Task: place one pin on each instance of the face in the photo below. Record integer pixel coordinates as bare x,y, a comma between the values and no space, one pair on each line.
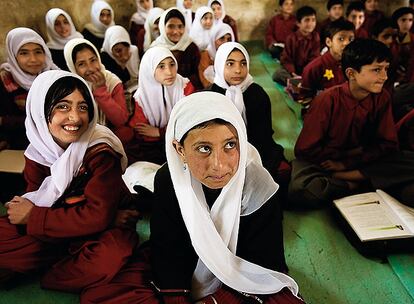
387,36
371,5
105,17
146,4
212,154
166,72
221,40
287,7
86,64
405,22
31,58
370,79
174,29
121,52
336,11
62,26
307,24
207,21
357,18
69,119
188,4
217,10
235,70
338,42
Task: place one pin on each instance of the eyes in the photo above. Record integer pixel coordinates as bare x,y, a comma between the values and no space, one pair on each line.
206,149
81,64
231,63
163,66
26,52
64,106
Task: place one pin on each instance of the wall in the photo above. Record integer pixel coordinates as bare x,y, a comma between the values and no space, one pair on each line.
251,15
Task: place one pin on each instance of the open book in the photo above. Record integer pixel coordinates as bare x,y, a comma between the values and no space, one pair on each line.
377,216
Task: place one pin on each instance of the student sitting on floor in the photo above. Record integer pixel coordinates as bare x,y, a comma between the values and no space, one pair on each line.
216,229
65,222
60,29
160,88
201,29
137,28
325,71
301,47
232,79
280,26
185,7
102,17
152,30
335,12
355,13
372,14
348,142
220,16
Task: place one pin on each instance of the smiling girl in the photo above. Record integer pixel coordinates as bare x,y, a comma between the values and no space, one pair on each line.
202,26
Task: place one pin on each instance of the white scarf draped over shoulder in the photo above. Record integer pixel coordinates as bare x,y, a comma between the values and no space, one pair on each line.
141,14
15,39
163,40
188,14
235,93
96,27
64,164
155,99
200,35
218,228
55,41
154,14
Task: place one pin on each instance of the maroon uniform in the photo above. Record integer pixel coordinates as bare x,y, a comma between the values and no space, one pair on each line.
188,62
279,28
371,18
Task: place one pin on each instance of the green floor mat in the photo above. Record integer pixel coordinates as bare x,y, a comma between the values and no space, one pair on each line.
403,266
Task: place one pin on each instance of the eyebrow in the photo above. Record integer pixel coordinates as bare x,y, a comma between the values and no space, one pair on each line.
209,143
34,49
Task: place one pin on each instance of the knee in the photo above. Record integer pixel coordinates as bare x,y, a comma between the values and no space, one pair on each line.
308,195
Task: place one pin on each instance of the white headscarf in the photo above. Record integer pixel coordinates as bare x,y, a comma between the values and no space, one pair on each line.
150,36
117,34
217,32
64,164
141,15
223,11
150,94
15,39
188,14
198,34
214,233
96,27
235,93
163,40
55,41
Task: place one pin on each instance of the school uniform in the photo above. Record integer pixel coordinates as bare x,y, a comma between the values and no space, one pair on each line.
405,130
361,33
322,27
225,18
371,18
149,31
200,35
136,29
277,31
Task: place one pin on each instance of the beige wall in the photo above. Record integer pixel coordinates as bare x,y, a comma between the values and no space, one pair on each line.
251,15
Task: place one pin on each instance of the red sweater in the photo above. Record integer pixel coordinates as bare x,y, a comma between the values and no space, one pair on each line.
371,18
279,28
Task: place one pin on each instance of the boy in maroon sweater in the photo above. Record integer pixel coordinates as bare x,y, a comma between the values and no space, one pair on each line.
348,142
335,12
355,13
301,47
372,14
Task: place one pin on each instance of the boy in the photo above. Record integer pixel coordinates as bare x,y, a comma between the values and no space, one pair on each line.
348,137
355,13
325,71
372,14
335,11
301,46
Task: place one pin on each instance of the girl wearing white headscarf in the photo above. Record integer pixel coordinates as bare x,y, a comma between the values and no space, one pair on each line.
185,8
102,17
253,104
199,33
152,31
57,18
138,20
27,57
184,49
204,231
106,87
221,17
74,188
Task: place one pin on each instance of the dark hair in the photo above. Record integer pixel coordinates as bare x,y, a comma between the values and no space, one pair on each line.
174,13
215,2
304,11
398,13
355,6
337,26
362,52
283,1
411,2
380,26
124,43
63,87
203,125
334,2
80,47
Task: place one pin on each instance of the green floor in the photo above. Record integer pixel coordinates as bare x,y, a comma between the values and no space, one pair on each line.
327,268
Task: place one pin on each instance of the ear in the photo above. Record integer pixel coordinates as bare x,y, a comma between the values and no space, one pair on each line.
179,149
328,42
350,73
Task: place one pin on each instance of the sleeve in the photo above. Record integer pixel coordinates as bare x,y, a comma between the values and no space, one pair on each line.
204,64
287,58
269,37
316,46
102,195
309,75
189,89
113,105
139,117
34,174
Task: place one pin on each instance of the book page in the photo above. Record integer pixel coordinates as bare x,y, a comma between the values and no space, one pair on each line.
12,161
371,218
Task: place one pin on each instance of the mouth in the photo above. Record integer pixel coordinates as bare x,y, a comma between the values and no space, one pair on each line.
71,128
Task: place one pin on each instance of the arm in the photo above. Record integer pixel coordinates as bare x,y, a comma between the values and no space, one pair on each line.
287,59
269,36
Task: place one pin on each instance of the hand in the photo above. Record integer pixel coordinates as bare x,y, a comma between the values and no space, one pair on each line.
331,165
97,79
18,210
147,130
126,218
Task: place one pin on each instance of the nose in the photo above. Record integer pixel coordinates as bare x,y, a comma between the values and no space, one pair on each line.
217,161
32,57
74,115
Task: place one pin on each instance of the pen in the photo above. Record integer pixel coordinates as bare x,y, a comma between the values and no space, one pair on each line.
390,227
367,203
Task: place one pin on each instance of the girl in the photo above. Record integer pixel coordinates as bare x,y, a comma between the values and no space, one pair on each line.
27,57
201,29
232,79
138,19
160,87
173,37
60,29
212,193
152,30
220,16
83,59
73,170
220,34
185,7
102,17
